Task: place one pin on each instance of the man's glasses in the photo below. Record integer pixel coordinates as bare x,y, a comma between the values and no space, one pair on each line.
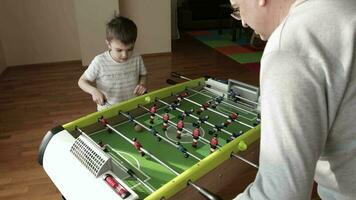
236,13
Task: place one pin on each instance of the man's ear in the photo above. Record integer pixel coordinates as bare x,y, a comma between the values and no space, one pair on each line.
108,43
262,3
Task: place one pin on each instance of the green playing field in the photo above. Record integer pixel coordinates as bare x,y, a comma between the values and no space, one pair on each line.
147,168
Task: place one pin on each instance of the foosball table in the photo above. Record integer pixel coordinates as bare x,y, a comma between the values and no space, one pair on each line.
154,146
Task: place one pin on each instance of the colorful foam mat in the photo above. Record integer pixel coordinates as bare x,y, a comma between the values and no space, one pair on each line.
240,50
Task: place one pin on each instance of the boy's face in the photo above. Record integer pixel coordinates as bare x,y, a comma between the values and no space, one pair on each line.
120,52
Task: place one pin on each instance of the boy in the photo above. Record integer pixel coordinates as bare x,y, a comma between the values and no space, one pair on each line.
119,73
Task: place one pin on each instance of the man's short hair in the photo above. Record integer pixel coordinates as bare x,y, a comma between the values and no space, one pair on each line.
121,28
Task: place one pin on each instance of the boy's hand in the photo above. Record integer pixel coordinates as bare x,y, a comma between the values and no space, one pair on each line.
98,97
140,90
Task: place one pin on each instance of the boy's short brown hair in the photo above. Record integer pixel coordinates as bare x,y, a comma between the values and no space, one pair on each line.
121,28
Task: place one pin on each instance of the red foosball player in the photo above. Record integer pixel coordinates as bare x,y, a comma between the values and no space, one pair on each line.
203,107
104,122
138,146
232,118
196,134
153,112
181,96
180,126
165,119
214,143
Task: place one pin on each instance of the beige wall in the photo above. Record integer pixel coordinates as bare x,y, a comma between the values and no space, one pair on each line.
38,31
91,17
153,19
47,31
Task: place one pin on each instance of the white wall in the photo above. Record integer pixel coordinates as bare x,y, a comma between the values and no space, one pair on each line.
91,17
38,31
153,20
47,31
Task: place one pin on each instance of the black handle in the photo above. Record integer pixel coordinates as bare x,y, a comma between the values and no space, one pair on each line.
171,82
175,75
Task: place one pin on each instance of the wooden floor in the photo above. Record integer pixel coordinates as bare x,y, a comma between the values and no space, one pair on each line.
36,98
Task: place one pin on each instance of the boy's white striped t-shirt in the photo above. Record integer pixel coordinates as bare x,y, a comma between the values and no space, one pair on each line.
115,80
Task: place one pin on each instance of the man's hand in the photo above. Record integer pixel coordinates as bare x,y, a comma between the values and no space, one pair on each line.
98,97
140,89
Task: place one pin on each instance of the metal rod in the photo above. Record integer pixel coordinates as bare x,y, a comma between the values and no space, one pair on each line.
197,118
203,139
137,178
247,161
216,112
175,74
144,150
165,139
207,194
132,173
224,102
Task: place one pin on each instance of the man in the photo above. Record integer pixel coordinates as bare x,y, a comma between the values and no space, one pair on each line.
308,97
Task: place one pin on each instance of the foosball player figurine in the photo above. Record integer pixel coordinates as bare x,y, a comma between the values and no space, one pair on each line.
182,149
154,133
130,117
234,96
181,116
183,94
237,98
153,111
231,94
196,134
104,122
196,124
103,146
258,120
232,118
173,106
165,119
237,134
218,127
234,135
186,113
218,99
213,104
138,146
180,97
203,119
229,139
214,143
203,107
137,127
180,126
211,132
